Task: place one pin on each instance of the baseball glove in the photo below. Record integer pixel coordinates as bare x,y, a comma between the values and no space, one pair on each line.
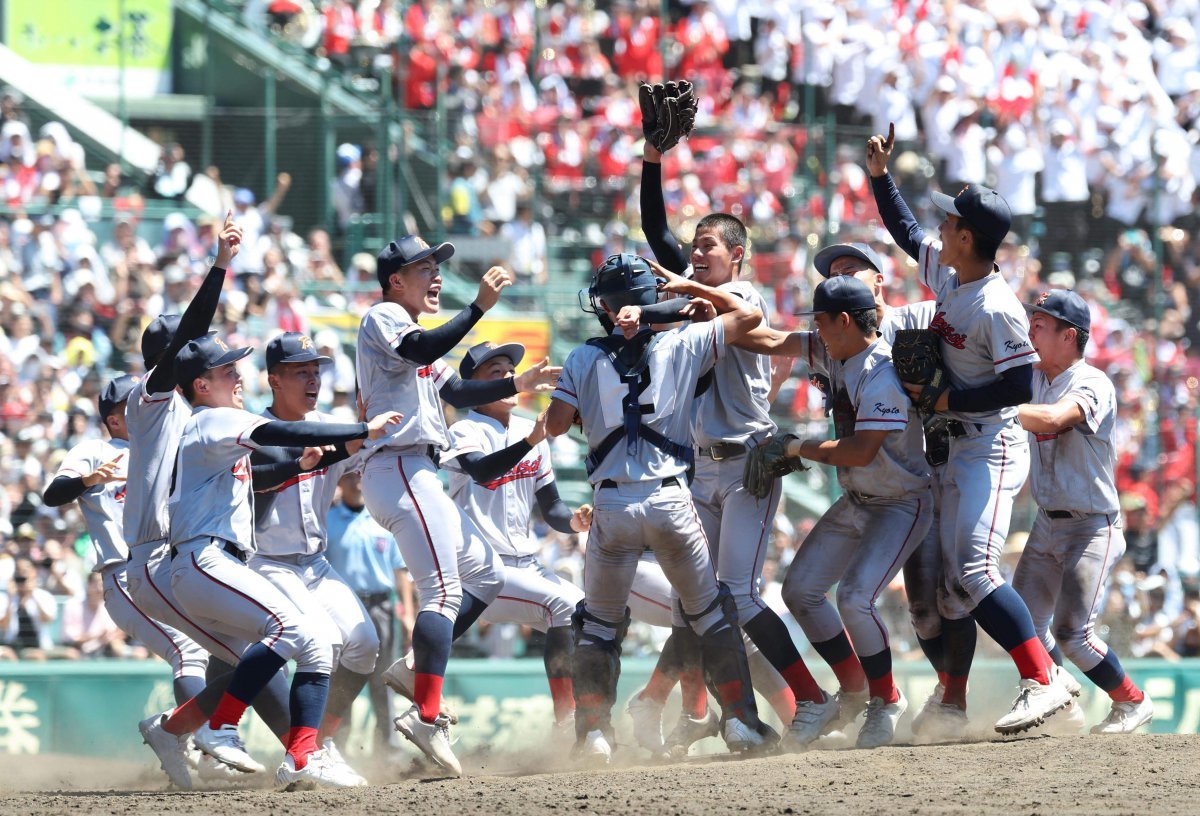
668,112
767,462
937,441
917,358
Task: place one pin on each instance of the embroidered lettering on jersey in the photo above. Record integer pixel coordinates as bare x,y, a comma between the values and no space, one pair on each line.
886,410
425,371
944,330
528,469
1015,345
119,496
241,469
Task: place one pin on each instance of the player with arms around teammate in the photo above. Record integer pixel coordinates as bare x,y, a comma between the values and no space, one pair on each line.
1077,535
499,467
400,369
883,514
984,341
291,535
632,397
212,536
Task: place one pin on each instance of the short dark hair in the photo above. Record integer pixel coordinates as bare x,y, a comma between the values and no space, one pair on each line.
189,389
867,321
1081,335
729,228
982,247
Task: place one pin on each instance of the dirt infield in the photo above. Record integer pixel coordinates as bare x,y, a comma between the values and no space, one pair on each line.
1054,775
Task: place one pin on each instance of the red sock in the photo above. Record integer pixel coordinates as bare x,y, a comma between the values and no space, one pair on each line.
784,703
849,673
428,695
185,719
591,708
1033,661
301,742
730,693
228,712
1127,692
329,727
659,687
943,678
562,692
695,693
884,688
956,691
802,684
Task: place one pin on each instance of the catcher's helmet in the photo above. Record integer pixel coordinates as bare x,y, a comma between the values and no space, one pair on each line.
622,280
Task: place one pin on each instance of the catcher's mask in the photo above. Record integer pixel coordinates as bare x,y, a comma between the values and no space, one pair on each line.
622,280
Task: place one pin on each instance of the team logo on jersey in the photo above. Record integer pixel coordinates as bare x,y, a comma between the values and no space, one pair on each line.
119,496
425,371
944,330
241,469
525,469
1014,345
887,410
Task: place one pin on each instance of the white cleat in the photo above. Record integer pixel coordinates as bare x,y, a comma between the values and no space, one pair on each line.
940,722
1068,681
335,757
811,720
1035,703
401,678
432,738
321,771
647,724
1125,718
193,754
170,749
593,749
211,769
562,733
741,738
225,744
851,705
881,719
687,732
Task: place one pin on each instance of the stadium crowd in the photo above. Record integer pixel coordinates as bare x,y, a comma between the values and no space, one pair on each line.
1100,175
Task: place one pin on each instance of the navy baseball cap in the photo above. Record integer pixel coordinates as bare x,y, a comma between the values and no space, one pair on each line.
1064,305
841,293
981,207
293,347
205,354
157,337
116,392
480,353
829,254
409,249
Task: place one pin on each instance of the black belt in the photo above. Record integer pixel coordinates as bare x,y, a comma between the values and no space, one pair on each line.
227,546
1059,514
723,450
957,428
670,481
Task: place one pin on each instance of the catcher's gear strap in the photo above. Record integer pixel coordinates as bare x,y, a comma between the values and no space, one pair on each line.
635,373
590,629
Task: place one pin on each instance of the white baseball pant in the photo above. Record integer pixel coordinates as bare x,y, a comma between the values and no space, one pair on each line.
221,593
1061,577
325,601
181,652
533,596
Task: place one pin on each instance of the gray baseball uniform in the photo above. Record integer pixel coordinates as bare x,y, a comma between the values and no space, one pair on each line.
212,533
1077,535
291,539
400,481
103,509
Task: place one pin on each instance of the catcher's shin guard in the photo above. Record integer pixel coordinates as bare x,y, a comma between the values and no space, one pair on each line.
596,671
724,657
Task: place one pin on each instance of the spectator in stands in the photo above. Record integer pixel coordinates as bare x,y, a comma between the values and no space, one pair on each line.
347,194
465,212
89,631
173,175
527,257
26,612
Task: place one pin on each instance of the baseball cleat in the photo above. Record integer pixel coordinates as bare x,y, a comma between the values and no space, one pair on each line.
401,679
192,754
593,749
851,705
811,720
881,718
940,722
1125,718
211,769
1035,703
1068,681
225,744
335,757
321,771
432,738
170,749
647,723
740,737
689,731
562,733
1067,722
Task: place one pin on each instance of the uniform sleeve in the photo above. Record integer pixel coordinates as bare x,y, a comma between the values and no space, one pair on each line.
929,268
545,474
882,404
706,341
80,461
143,394
567,388
464,438
384,328
813,353
1009,341
228,430
1095,395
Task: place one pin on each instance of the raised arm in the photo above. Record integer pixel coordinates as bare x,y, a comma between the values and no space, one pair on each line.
898,219
736,314
423,347
667,250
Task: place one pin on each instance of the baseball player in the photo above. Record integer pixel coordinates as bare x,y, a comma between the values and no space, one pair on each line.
631,396
730,416
400,369
984,339
945,629
212,536
864,538
155,415
291,535
1077,534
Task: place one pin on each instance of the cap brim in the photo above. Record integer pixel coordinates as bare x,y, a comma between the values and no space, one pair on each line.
825,258
231,356
1030,308
513,351
305,357
440,254
945,203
